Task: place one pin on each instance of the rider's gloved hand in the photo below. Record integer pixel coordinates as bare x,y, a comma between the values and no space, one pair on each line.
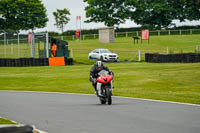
94,80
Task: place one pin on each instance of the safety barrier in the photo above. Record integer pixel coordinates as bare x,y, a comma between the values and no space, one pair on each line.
25,62
172,58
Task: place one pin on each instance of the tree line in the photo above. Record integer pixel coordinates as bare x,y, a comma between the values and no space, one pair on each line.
150,13
153,14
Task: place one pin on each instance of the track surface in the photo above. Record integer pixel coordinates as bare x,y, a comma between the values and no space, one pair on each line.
62,113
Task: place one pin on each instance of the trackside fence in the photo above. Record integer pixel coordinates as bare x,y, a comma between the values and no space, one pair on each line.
135,33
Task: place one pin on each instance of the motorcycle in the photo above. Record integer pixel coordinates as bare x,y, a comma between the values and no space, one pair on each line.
106,80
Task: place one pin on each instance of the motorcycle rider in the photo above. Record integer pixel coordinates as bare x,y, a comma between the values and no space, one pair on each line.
97,67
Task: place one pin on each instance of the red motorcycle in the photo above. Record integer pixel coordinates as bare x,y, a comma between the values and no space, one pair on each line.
106,80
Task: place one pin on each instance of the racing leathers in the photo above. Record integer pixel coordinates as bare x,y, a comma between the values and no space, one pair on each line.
94,75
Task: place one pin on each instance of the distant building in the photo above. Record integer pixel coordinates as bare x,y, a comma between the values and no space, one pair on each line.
107,35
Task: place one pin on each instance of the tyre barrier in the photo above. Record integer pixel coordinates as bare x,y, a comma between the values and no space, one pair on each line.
172,58
25,62
68,61
17,129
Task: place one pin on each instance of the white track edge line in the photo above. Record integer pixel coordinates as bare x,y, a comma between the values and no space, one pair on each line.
142,99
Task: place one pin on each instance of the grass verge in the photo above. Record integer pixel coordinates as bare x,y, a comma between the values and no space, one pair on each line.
6,121
178,82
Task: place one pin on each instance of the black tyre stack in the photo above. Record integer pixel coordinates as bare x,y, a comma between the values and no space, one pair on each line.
172,58
23,62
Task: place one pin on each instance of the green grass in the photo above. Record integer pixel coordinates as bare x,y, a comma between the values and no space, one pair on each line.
168,81
165,81
5,121
127,51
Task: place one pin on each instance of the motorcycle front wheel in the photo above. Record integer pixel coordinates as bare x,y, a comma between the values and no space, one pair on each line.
108,96
102,100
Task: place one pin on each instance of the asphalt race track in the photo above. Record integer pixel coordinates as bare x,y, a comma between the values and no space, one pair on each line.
70,113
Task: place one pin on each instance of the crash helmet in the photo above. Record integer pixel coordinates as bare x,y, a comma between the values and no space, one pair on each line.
99,65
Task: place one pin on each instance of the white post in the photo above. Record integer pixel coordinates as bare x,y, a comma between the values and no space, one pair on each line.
72,53
197,49
18,45
33,45
139,55
126,35
4,44
167,50
47,45
11,48
159,33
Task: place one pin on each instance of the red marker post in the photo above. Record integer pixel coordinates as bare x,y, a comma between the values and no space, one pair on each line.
29,37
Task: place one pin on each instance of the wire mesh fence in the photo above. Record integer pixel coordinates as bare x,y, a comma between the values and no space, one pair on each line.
19,46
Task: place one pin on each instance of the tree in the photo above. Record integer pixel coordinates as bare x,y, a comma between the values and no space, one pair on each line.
22,14
160,14
152,13
61,17
192,9
156,14
110,12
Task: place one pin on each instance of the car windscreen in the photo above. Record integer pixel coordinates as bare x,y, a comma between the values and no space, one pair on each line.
105,51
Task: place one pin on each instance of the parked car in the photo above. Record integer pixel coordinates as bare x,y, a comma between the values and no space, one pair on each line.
103,54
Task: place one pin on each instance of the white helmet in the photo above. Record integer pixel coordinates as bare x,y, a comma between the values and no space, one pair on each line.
99,65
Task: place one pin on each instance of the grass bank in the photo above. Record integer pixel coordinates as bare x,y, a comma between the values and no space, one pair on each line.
6,121
171,82
128,51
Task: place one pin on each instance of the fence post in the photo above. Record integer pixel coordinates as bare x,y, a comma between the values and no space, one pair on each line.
126,35
11,49
158,32
167,50
191,31
72,53
4,44
33,45
139,55
18,45
47,45
180,32
169,33
197,49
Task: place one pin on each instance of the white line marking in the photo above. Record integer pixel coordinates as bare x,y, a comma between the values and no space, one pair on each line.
142,99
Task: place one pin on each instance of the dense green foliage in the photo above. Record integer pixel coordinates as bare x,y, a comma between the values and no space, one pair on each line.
22,15
108,11
62,18
148,13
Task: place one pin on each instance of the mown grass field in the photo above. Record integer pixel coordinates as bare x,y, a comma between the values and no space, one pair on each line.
172,82
127,51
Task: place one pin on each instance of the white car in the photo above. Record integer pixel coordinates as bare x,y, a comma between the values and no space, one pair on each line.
103,54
